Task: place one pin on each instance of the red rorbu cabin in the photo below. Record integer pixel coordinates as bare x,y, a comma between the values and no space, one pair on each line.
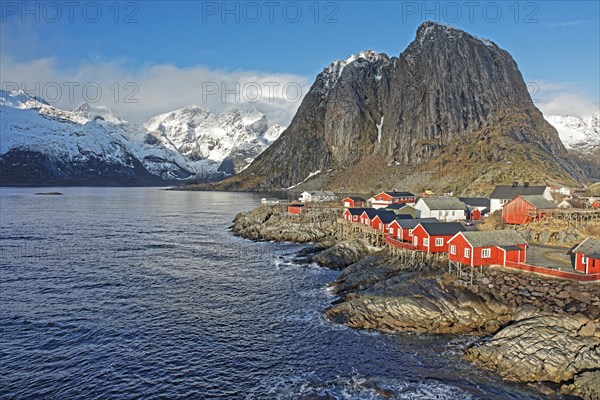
295,208
587,256
432,237
384,199
478,248
353,214
402,228
354,201
526,208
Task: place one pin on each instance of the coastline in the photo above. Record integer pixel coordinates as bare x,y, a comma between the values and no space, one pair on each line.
534,330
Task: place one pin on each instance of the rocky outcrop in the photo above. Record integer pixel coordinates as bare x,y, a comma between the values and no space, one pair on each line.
543,348
345,253
585,385
398,298
274,223
452,111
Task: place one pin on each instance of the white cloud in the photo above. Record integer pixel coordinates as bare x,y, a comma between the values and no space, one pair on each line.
559,98
137,95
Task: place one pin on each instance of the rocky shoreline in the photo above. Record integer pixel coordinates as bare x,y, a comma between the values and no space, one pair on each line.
533,329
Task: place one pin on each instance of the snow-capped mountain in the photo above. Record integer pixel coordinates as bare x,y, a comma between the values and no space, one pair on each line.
41,144
231,139
581,137
577,133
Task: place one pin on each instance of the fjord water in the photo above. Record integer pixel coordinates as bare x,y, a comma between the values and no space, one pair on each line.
143,293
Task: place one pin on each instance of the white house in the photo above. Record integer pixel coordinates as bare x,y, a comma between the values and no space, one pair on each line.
317,196
443,208
504,193
270,200
565,191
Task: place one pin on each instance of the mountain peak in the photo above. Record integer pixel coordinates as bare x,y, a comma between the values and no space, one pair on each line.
431,30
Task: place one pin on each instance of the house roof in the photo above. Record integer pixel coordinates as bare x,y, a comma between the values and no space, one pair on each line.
396,206
442,228
504,239
355,198
588,247
510,192
411,223
399,194
443,203
357,210
389,217
476,201
320,193
539,202
373,212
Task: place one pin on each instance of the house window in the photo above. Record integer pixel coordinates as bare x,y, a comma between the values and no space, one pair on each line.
439,242
425,242
453,213
486,253
453,249
584,260
410,232
380,226
415,241
355,217
467,253
391,230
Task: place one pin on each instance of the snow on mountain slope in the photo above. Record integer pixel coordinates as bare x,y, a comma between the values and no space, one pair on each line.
578,133
93,135
234,137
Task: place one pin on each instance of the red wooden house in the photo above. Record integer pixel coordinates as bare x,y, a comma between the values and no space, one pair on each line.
474,214
384,199
402,228
432,237
587,256
354,201
526,208
353,214
478,248
295,208
384,219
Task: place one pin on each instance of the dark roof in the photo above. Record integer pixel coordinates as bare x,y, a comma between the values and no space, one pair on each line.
510,192
443,228
476,201
443,203
372,212
355,198
297,205
396,206
588,247
387,218
510,247
539,202
357,210
494,238
411,223
400,194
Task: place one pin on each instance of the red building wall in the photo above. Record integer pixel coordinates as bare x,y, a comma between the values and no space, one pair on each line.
421,235
593,264
516,211
295,210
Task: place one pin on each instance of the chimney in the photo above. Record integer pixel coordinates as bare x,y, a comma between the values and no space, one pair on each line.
515,184
526,184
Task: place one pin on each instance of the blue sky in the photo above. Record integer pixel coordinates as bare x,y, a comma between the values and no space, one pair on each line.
555,43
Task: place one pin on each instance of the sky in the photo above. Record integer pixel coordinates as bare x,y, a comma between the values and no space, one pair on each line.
143,58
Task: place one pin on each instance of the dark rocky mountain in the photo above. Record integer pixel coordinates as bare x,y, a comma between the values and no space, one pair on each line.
452,112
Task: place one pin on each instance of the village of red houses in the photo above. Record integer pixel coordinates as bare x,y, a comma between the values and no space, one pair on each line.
448,226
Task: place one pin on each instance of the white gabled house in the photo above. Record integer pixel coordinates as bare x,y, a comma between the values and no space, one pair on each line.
317,196
443,208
